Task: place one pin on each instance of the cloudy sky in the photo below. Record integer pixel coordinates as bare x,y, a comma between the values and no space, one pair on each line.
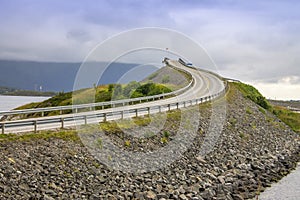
255,41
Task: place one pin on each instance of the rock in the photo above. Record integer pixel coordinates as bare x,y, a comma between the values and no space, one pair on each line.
200,159
151,195
221,179
183,197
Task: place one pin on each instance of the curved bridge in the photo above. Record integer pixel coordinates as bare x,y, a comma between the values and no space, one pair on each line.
204,86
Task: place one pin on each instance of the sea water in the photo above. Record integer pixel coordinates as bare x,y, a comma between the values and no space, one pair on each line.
10,102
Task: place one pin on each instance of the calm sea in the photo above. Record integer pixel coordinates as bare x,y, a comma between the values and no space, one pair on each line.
11,102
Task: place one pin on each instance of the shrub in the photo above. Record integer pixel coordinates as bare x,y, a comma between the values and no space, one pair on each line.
166,134
164,140
127,143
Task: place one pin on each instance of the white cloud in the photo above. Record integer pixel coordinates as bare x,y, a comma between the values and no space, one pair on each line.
279,91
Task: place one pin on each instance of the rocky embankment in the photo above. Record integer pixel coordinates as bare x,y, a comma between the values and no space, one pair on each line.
253,150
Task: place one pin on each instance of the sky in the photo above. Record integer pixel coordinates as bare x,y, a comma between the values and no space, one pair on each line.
256,41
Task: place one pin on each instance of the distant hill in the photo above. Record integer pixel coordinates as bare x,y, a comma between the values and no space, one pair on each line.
57,76
17,92
169,77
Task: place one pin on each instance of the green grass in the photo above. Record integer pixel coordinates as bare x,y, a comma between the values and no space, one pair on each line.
68,135
292,119
164,140
253,94
127,143
248,110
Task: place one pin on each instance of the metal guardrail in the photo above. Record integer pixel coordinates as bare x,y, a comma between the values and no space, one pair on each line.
104,116
101,105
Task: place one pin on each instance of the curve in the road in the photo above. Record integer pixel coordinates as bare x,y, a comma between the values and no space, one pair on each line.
205,84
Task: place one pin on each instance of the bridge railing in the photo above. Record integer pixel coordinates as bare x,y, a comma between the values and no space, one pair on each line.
102,105
104,116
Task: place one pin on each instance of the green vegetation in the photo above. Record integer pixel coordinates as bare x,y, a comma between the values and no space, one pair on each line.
45,135
165,79
292,119
253,94
99,143
248,110
100,93
127,143
166,134
152,76
164,140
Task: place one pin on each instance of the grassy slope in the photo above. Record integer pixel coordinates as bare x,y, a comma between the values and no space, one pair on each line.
292,119
100,93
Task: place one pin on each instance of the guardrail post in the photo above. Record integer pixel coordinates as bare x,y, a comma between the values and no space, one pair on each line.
148,110
136,112
196,101
159,109
91,108
43,114
85,120
184,104
2,127
35,126
177,106
60,112
169,106
104,119
122,114
76,110
62,122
